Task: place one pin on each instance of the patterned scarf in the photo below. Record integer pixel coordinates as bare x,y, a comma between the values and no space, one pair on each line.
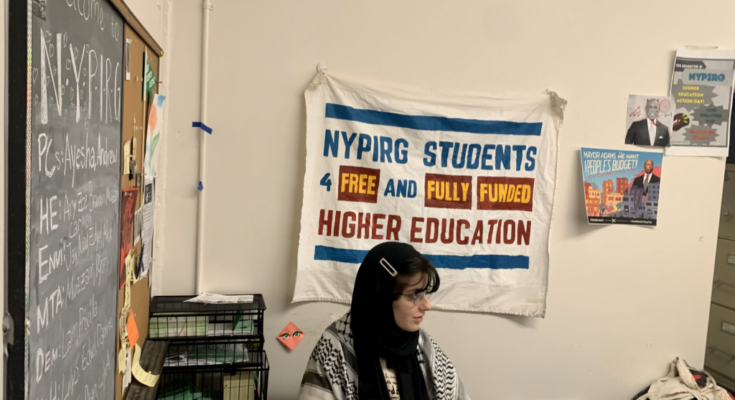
331,373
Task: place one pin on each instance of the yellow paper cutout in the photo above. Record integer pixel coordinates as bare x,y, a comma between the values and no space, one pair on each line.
139,373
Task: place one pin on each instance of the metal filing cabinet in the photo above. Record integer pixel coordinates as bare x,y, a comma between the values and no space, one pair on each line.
727,212
720,354
723,284
719,358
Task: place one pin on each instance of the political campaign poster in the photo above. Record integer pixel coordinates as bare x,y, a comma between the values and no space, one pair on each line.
620,186
467,179
649,120
701,84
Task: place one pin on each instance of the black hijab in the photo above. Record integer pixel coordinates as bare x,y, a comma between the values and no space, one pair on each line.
375,331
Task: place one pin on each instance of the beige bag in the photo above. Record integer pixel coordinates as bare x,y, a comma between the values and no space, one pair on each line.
679,384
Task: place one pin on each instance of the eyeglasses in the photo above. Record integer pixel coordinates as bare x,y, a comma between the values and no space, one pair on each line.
418,296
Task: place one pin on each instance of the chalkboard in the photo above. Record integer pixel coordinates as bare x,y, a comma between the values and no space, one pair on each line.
77,79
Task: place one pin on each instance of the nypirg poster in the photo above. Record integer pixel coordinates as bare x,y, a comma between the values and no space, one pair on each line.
467,179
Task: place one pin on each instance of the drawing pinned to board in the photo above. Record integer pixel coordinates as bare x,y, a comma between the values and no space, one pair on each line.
621,187
126,228
153,135
649,120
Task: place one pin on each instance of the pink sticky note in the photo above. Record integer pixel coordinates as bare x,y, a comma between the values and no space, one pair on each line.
290,336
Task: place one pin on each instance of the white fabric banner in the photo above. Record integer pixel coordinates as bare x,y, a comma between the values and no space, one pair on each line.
467,179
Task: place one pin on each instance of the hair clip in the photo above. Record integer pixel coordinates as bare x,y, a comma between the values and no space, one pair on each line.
392,271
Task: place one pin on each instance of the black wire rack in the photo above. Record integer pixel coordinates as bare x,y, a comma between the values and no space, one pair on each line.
215,351
236,381
172,318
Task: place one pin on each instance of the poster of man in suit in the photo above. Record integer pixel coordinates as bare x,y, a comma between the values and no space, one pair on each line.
649,120
648,177
621,187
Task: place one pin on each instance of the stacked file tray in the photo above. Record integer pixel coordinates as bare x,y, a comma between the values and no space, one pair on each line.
215,351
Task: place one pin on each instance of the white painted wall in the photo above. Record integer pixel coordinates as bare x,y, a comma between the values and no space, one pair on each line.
150,14
623,301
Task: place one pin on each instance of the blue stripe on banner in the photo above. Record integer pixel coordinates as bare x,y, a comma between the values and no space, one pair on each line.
427,123
481,261
325,253
205,128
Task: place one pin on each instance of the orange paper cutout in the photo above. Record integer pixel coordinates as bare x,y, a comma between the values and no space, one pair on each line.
132,329
290,336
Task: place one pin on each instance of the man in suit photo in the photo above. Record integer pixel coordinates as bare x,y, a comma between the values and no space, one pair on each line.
647,178
649,131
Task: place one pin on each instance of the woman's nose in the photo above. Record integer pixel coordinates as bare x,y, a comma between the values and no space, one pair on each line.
425,304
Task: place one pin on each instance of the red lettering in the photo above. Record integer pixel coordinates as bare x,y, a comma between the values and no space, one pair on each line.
416,230
447,238
492,223
512,225
376,226
394,225
351,232
363,226
466,224
524,232
325,222
337,218
432,230
477,237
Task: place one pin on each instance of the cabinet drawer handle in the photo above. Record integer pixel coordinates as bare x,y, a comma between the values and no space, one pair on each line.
716,349
719,282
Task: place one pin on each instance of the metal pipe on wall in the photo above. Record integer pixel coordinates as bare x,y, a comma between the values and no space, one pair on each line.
206,9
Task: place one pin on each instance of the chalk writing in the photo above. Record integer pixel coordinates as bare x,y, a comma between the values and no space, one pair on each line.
74,205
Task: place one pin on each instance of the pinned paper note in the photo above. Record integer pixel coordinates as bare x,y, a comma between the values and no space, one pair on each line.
121,361
139,373
126,157
132,329
137,226
127,375
290,336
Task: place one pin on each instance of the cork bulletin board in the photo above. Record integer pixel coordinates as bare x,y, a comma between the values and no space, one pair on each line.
134,122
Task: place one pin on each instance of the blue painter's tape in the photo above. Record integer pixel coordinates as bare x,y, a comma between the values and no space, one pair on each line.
200,187
429,123
478,261
205,128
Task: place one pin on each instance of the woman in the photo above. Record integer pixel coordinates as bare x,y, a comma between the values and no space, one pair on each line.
377,351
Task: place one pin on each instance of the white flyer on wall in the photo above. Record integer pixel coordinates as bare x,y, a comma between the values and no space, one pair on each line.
702,86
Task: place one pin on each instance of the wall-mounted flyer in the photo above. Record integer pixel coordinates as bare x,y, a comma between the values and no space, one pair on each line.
621,187
701,83
649,120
